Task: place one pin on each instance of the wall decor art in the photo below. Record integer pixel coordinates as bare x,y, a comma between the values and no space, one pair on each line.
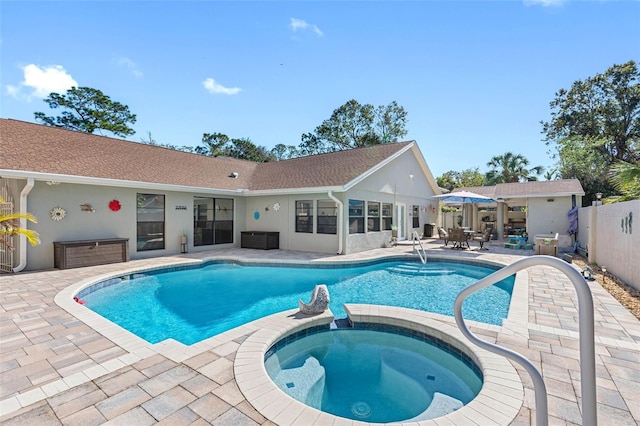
115,205
57,213
87,208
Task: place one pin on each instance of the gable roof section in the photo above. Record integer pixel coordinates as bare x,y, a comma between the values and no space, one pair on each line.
50,153
546,188
333,169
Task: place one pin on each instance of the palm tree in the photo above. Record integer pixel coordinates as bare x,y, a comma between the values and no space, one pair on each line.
625,177
510,167
10,226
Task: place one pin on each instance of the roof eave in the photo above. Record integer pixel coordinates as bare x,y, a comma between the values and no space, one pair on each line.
284,191
83,180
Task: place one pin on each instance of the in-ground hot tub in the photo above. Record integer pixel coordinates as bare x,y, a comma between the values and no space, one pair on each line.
497,403
374,373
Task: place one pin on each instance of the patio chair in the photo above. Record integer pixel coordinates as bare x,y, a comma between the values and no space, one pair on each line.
443,235
483,238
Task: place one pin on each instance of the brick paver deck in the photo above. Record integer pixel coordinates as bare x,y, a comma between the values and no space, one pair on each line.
55,369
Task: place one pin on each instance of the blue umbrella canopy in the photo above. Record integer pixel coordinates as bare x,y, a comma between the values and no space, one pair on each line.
464,197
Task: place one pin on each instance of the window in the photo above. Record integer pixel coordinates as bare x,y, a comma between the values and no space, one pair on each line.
387,216
150,222
212,221
416,216
304,216
327,217
356,217
373,216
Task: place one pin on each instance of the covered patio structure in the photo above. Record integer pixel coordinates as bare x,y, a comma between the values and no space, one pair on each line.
538,207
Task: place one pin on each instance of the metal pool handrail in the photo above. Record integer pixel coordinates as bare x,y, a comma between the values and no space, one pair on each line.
421,251
586,326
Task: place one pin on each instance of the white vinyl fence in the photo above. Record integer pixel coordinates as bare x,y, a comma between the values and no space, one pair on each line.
609,235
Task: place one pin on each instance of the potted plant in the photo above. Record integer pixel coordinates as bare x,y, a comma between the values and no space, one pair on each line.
394,235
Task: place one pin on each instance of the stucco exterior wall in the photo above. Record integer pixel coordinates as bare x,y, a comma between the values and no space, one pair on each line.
283,220
104,223
401,182
545,217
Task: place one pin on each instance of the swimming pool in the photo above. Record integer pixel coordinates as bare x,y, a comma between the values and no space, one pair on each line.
193,304
376,373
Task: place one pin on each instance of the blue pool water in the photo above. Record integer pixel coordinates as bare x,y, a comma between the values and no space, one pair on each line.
373,376
194,304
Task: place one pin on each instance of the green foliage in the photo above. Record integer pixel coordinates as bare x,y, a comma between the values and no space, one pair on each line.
354,125
10,226
595,124
151,141
510,167
88,110
463,179
284,152
219,144
625,178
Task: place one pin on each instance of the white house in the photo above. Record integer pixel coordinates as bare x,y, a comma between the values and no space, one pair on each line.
87,188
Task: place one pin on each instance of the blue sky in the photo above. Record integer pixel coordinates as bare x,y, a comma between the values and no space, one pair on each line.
476,77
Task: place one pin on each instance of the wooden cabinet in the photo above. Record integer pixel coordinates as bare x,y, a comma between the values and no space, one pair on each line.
76,254
264,240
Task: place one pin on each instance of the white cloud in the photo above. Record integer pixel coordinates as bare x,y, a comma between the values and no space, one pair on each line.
42,81
299,24
544,3
128,63
215,88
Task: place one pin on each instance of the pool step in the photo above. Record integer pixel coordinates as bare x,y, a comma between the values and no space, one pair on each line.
419,270
304,383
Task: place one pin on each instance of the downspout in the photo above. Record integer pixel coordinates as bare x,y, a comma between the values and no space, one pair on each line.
23,224
339,224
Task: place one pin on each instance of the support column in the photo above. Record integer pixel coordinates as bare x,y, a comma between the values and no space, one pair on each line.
500,221
591,234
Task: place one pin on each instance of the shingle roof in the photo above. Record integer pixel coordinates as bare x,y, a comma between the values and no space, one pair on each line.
37,148
529,189
330,169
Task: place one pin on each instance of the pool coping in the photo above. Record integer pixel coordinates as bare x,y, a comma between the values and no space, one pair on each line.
517,316
498,403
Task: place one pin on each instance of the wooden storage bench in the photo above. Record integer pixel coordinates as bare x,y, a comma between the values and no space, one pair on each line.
76,254
264,240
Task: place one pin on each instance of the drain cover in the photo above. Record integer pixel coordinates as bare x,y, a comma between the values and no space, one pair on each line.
361,409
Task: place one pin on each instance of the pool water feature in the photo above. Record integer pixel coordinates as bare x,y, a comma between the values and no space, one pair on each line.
193,304
374,375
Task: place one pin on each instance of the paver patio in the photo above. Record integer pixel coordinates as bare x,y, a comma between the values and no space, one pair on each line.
55,369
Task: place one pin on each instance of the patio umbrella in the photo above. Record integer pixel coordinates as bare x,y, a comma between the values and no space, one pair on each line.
464,197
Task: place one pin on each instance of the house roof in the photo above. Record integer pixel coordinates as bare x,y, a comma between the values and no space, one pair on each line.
53,152
322,170
557,188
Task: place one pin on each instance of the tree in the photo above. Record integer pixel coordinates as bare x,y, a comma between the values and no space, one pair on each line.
551,174
510,167
284,152
464,179
354,125
625,178
448,180
244,149
10,226
598,119
89,111
390,122
214,144
219,144
151,141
